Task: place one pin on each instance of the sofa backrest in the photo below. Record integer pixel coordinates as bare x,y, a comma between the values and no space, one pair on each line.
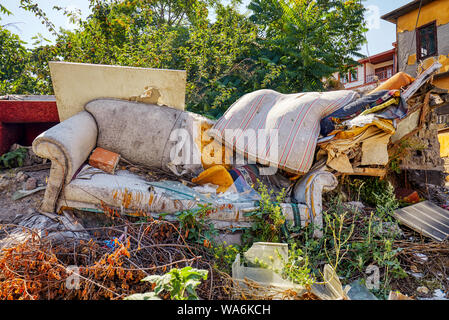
141,132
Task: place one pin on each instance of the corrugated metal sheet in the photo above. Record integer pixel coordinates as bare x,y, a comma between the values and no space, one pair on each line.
426,218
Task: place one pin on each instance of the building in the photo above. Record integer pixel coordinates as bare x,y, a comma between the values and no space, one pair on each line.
422,36
365,76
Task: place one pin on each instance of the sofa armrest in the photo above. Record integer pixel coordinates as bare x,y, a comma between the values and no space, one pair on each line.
309,191
67,145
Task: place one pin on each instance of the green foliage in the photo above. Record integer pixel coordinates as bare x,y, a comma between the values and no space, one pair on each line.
4,10
375,192
179,283
32,6
13,159
288,46
352,241
13,59
224,255
268,219
196,226
297,268
304,41
335,223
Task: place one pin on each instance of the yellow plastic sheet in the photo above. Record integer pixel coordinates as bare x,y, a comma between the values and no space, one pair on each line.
383,124
217,175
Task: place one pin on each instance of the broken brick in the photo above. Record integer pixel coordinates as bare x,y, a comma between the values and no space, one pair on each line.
104,160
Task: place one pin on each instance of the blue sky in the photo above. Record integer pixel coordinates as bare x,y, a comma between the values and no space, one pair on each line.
380,36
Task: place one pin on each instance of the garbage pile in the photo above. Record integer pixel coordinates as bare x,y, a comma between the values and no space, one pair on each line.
298,143
351,134
133,158
338,132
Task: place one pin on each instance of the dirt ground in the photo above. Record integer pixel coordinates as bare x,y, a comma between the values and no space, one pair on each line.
12,181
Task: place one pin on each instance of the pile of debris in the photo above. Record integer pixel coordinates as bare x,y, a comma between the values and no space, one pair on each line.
106,160
297,142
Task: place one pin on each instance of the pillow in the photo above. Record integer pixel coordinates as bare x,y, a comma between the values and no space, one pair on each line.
278,129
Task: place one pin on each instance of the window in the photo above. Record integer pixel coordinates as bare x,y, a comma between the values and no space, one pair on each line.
350,76
384,73
426,41
344,78
353,75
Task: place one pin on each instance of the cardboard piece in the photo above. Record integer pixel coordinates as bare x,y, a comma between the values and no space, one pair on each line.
75,84
407,125
374,150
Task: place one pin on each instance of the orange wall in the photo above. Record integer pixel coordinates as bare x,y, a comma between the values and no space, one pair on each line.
437,10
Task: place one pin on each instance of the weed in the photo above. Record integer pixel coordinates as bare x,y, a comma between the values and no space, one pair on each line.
224,256
268,220
13,159
296,267
179,283
335,223
196,227
374,192
353,239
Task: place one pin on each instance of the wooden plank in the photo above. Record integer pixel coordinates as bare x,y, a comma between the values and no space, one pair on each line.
375,172
422,78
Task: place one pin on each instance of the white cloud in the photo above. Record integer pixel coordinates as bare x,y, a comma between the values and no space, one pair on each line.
372,17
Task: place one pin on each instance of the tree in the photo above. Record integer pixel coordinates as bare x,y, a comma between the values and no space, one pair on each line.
303,41
13,60
285,45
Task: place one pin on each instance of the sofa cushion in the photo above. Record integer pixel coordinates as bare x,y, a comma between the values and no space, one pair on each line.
141,133
127,192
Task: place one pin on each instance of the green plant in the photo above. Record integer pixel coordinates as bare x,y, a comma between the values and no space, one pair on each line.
268,219
179,283
340,237
373,191
296,267
386,200
224,255
355,239
13,158
196,226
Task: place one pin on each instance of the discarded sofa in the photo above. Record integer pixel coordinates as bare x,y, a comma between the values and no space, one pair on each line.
142,134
